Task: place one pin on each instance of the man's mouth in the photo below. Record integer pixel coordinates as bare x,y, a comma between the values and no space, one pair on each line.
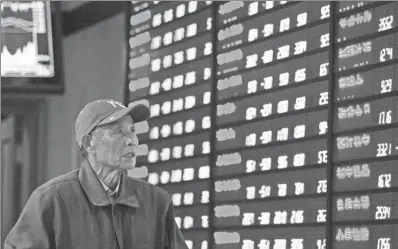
130,154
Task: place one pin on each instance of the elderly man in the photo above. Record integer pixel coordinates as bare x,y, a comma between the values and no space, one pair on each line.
99,206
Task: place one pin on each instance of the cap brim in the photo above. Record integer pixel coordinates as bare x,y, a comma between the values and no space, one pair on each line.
138,110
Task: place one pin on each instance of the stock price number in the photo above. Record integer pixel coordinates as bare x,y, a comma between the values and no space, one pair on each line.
368,207
258,54
386,86
374,82
271,213
367,22
367,145
281,185
273,23
272,238
285,129
384,243
271,104
369,52
365,237
383,213
236,10
366,176
278,76
384,181
369,114
281,157
385,117
384,149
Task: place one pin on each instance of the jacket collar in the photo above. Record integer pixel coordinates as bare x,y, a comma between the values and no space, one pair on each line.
108,190
96,193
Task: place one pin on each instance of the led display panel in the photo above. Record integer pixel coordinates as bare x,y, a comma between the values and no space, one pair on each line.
273,123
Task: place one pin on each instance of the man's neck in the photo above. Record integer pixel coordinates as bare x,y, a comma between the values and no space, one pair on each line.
110,176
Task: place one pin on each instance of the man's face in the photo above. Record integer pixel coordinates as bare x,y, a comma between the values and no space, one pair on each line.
115,144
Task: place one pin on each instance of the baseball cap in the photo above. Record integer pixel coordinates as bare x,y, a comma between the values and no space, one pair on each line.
105,111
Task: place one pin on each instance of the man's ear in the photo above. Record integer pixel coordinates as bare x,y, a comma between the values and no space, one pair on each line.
86,142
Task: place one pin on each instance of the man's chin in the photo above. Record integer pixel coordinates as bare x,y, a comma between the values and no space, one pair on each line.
128,164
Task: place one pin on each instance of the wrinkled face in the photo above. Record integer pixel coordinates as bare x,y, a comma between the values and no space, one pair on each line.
115,144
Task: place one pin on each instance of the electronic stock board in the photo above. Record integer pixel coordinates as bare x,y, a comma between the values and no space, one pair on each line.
273,123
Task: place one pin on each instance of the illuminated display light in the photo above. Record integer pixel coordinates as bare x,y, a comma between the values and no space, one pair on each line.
349,236
184,198
345,6
181,54
272,159
191,217
179,101
193,73
277,185
305,237
368,52
162,15
176,148
366,176
178,175
283,47
285,129
270,24
374,82
278,103
365,207
235,10
188,193
271,213
366,145
271,78
187,122
168,61
138,6
196,239
191,169
174,32
367,22
176,82
374,113
294,155
170,57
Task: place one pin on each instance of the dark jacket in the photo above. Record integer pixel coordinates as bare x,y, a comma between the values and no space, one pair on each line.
73,211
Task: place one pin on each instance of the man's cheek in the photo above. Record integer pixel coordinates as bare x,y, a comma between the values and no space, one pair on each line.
114,158
110,158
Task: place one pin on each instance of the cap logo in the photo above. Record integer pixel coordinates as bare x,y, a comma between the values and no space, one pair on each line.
115,103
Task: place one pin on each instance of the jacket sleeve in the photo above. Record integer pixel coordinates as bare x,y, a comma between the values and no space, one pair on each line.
174,238
33,230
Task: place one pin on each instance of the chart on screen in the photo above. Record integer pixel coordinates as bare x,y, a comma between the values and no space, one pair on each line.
26,42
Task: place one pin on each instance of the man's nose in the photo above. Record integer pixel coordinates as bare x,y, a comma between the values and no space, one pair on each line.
129,142
132,140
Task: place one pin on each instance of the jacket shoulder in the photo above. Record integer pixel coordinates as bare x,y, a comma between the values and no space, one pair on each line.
59,181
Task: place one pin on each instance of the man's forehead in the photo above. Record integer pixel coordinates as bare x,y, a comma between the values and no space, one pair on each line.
126,120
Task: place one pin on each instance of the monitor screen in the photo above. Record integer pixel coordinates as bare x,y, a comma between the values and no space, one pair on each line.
30,47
